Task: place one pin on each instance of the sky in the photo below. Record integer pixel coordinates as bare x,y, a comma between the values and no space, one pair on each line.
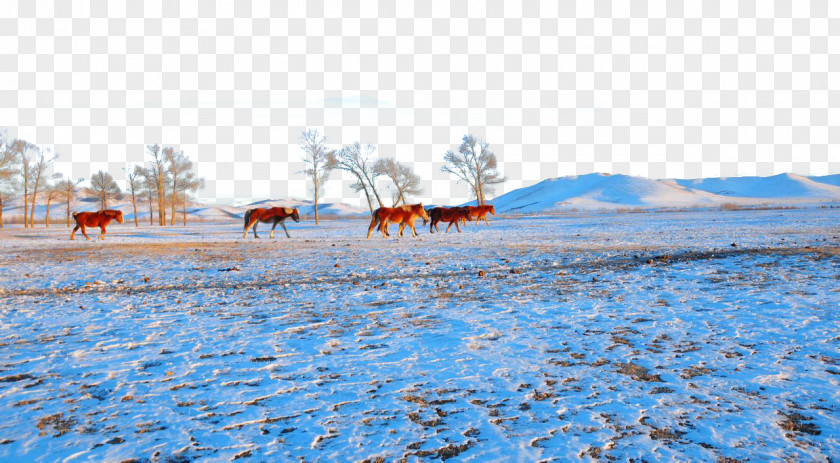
649,88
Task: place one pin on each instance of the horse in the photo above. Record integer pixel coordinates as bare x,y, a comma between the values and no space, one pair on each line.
403,215
453,215
273,215
480,212
95,219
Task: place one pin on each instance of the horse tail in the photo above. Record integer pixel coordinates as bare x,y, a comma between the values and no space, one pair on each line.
375,221
247,218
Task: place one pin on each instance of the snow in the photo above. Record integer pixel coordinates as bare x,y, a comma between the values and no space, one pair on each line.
623,336
614,192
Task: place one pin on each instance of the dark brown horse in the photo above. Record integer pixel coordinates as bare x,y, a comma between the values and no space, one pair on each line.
453,215
480,212
273,216
95,219
403,215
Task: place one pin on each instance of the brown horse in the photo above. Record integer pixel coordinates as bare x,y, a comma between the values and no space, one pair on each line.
95,219
480,212
403,215
273,215
453,215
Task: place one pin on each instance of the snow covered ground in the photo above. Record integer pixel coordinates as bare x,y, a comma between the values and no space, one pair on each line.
598,336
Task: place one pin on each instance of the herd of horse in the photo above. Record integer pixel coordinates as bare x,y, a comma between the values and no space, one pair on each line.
405,216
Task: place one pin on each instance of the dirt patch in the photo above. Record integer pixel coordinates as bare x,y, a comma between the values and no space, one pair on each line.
637,372
798,423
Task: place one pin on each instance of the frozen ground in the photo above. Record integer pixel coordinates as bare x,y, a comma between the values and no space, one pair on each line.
604,337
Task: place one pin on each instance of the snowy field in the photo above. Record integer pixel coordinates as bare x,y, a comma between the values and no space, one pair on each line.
587,336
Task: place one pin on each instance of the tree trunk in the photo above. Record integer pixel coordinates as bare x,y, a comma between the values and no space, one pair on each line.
370,204
1,212
68,211
162,207
174,197
161,193
47,217
25,205
185,209
102,204
373,188
151,211
134,205
315,184
32,209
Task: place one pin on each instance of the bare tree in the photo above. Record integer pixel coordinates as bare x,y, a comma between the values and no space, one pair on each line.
150,188
157,173
105,187
32,163
67,188
357,159
475,164
135,185
317,159
52,192
7,170
178,168
405,181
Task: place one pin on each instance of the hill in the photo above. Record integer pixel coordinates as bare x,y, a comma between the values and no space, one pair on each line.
605,191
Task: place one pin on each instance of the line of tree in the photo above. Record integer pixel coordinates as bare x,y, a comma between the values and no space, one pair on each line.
168,178
473,163
357,159
23,169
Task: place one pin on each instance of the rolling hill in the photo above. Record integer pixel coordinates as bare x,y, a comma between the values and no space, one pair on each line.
609,192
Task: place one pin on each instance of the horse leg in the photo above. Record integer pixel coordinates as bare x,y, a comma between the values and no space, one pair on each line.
283,224
271,235
485,220
402,227
83,232
437,227
250,224
373,222
383,227
74,232
102,232
450,225
411,226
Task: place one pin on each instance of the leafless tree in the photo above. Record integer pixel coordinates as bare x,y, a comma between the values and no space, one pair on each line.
157,174
135,185
32,163
405,181
8,162
150,188
357,160
52,192
475,164
105,187
67,188
179,168
317,160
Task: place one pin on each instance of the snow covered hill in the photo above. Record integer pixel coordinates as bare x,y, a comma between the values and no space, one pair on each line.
604,191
